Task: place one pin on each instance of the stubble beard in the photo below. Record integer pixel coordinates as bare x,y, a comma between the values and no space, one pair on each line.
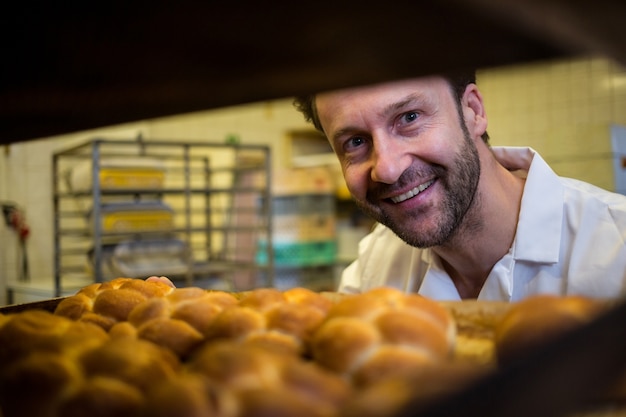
460,184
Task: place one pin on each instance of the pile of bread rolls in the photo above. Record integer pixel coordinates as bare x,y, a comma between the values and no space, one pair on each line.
381,333
131,347
535,321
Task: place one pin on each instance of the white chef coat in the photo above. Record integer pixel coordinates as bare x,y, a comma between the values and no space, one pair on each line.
570,239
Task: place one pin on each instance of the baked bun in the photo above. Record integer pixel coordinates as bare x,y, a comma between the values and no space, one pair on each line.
108,303
54,377
394,396
276,320
136,362
38,331
131,347
539,319
178,320
103,396
169,317
189,395
35,384
39,360
383,333
270,383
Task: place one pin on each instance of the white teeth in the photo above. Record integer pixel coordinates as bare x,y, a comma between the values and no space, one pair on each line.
412,193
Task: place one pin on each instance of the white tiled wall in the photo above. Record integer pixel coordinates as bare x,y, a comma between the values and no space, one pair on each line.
563,109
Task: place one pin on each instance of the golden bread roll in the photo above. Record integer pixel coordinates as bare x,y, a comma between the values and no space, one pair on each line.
274,341
33,385
236,323
305,297
90,290
176,335
343,343
389,397
363,306
178,295
110,302
200,311
405,327
29,331
262,299
103,396
117,303
191,304
82,337
181,319
300,321
149,289
315,384
153,308
105,322
275,402
75,306
267,383
123,330
134,361
282,320
3,319
189,395
41,331
235,365
383,332
536,320
390,361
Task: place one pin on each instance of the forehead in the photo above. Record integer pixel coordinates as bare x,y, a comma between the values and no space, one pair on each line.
377,97
337,107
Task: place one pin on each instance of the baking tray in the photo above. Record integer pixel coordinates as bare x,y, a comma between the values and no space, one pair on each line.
48,305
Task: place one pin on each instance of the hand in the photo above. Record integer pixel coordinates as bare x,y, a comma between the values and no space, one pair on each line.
164,280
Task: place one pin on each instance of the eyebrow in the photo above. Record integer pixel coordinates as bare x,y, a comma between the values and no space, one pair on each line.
340,133
391,108
411,98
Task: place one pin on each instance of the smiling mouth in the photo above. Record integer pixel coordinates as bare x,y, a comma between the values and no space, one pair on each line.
412,193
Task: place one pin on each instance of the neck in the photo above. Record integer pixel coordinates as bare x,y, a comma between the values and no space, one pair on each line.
487,232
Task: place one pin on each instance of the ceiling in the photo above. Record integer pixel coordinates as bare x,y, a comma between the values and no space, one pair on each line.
70,66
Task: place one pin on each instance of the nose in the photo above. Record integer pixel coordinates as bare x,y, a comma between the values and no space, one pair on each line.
389,160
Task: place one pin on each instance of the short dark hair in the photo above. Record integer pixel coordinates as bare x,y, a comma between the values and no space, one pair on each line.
306,106
458,82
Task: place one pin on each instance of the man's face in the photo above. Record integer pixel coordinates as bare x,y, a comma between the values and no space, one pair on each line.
407,157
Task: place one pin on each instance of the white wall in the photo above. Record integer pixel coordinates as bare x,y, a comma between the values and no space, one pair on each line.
563,109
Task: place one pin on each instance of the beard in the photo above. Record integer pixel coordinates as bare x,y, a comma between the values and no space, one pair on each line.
460,184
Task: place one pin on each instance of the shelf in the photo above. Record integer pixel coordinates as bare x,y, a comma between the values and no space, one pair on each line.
87,82
206,219
163,191
81,232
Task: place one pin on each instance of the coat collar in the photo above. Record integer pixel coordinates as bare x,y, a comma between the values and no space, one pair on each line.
538,234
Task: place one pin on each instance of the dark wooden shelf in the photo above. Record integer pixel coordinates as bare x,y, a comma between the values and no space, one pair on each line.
73,66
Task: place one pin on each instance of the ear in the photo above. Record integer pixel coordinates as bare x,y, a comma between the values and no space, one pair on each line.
474,111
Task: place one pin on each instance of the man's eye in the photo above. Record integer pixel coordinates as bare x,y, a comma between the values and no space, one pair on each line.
410,117
354,142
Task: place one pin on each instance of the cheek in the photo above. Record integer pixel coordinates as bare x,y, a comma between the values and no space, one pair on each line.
448,141
356,181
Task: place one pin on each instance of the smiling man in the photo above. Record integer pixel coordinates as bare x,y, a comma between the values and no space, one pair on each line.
458,219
